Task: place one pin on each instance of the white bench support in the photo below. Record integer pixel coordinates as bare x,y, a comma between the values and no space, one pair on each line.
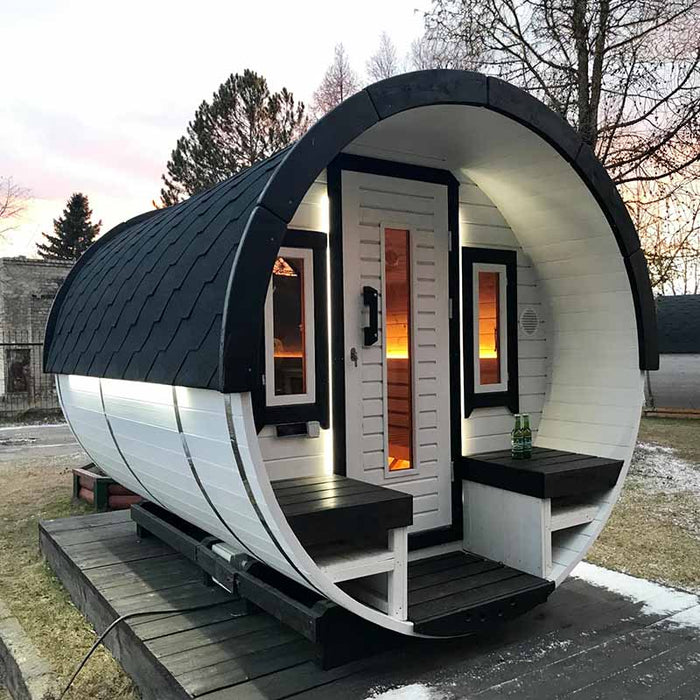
354,562
397,583
516,529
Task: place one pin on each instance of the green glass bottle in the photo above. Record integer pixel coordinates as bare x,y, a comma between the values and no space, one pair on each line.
516,438
527,436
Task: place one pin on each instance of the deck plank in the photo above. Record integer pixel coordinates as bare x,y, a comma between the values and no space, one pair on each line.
231,672
585,640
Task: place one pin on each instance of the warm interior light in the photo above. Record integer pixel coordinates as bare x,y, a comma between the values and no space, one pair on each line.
397,275
283,268
489,327
289,327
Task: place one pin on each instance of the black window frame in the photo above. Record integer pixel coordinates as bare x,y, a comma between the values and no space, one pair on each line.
317,410
510,398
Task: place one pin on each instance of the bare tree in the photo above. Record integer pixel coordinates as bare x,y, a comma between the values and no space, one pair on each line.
624,73
384,63
669,229
339,82
13,203
427,53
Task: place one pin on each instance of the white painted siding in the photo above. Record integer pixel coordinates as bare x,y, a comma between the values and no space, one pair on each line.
312,213
137,434
481,225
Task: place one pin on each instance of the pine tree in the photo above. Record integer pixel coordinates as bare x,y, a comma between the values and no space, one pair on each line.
73,232
243,124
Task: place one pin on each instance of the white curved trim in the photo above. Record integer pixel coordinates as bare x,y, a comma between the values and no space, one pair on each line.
271,511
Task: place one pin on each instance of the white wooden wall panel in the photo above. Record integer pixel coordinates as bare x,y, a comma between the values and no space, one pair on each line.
82,406
139,428
482,225
312,213
216,464
144,426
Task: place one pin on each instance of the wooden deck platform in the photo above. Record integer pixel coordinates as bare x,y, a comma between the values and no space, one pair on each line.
585,640
459,592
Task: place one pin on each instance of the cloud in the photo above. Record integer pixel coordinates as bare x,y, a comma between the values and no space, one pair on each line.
95,95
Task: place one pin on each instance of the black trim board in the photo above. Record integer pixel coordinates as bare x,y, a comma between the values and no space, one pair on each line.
319,409
511,397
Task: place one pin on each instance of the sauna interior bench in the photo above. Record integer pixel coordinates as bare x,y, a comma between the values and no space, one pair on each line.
525,513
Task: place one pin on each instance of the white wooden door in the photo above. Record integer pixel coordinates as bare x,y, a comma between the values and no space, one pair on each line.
395,240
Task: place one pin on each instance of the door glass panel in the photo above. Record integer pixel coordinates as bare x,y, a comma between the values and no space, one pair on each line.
397,276
288,325
489,328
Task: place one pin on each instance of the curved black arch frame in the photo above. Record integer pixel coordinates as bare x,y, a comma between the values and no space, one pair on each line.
325,140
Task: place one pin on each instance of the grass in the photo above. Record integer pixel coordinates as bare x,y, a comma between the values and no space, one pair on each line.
645,535
681,434
27,586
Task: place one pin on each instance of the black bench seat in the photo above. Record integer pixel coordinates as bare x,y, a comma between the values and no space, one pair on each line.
327,508
547,474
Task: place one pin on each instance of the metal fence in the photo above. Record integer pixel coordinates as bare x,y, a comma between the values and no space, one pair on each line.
24,388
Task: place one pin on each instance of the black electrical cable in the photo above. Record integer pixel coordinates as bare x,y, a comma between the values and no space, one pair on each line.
100,639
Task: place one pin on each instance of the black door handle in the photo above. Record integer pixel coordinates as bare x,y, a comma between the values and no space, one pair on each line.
370,298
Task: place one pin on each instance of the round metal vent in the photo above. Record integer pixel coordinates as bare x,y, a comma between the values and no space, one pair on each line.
529,321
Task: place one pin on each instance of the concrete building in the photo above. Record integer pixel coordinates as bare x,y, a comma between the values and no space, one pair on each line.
27,290
676,385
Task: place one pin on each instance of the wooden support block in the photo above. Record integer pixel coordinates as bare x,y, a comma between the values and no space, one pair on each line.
508,527
397,584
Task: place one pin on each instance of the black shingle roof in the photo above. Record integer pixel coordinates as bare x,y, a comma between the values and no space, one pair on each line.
146,302
679,323
176,296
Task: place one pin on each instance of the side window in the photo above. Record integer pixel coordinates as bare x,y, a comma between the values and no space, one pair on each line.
490,342
289,330
293,369
490,324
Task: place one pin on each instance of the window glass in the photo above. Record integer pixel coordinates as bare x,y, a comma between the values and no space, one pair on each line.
489,328
289,326
397,275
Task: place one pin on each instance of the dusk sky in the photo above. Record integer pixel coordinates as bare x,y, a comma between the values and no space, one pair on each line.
95,95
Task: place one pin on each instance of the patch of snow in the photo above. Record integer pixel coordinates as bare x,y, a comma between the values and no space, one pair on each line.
660,469
686,619
415,691
656,599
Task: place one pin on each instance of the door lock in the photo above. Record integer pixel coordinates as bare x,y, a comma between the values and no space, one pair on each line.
353,356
